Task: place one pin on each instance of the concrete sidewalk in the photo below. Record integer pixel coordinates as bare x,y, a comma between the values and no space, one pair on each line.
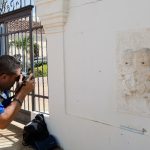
11,138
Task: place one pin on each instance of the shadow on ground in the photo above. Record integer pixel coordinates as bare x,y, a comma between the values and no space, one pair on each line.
11,138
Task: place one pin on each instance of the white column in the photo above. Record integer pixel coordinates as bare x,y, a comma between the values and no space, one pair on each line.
53,15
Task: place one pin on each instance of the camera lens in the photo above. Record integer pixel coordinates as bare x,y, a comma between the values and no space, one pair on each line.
17,78
25,76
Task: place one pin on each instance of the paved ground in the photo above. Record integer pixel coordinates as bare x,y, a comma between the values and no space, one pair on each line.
11,138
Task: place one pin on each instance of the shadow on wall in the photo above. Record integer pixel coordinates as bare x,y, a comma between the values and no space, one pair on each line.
66,7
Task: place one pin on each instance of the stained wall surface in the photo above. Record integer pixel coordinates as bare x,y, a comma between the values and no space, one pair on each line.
99,59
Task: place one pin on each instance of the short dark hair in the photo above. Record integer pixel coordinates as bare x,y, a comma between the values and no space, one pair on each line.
8,64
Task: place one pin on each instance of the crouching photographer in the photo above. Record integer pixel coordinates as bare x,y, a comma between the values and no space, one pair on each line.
10,73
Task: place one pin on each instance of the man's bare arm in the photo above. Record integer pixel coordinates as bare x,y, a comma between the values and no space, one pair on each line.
10,112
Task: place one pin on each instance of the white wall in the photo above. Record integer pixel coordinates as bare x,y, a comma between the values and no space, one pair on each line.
82,41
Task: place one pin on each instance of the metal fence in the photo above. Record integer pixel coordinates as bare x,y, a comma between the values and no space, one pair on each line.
22,36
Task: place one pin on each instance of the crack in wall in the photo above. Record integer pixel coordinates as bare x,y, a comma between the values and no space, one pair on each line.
86,3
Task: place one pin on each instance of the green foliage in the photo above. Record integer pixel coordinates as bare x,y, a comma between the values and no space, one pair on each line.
23,43
41,71
36,49
38,64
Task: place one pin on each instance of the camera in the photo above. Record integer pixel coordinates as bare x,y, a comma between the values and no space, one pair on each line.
20,84
25,76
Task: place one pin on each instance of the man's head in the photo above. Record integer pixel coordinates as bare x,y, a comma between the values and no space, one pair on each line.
9,71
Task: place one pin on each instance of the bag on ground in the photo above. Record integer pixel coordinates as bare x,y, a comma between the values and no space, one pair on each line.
36,134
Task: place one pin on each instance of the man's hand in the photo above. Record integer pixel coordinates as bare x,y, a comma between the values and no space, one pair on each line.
25,87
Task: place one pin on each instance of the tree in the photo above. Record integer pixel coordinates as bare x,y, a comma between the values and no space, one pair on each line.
24,45
36,49
21,43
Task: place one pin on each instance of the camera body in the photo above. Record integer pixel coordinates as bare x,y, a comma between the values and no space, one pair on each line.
20,84
25,76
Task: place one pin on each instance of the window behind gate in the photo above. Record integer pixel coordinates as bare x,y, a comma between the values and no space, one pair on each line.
22,36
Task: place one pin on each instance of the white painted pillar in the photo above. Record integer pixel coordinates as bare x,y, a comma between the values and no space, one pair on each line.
52,14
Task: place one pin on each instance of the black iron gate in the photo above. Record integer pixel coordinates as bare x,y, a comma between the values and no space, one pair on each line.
22,36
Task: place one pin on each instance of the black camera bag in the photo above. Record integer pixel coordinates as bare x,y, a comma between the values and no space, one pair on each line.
36,134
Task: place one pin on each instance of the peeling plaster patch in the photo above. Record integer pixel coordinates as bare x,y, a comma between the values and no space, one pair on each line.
134,72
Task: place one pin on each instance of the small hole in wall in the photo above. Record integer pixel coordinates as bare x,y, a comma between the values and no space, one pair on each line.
142,62
126,63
